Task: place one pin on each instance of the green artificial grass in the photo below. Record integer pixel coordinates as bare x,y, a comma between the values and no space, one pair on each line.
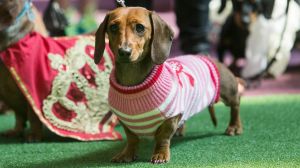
271,138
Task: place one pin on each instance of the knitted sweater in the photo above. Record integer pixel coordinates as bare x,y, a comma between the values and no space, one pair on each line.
183,85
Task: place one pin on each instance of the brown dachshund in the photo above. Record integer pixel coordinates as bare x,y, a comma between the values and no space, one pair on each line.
141,40
38,27
9,91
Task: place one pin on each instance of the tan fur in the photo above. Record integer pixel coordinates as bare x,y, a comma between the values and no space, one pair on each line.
127,19
150,48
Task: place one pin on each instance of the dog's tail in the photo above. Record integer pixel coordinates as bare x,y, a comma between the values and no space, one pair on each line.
213,118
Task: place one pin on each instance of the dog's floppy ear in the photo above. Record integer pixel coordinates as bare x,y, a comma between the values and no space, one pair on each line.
162,37
100,40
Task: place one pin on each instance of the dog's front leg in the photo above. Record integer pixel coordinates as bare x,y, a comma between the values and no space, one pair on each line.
19,126
180,131
36,131
163,137
129,152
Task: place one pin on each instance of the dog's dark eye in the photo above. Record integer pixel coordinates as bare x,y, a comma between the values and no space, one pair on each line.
139,28
114,28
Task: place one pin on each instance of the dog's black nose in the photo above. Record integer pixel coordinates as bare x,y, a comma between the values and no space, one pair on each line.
124,51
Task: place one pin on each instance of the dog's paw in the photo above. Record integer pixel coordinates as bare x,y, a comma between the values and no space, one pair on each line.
32,138
160,158
124,158
12,133
234,130
179,134
180,131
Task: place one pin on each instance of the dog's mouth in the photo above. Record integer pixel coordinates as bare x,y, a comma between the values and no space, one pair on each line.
123,59
127,60
128,57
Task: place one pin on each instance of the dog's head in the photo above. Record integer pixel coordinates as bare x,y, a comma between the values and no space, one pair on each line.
134,33
244,11
9,11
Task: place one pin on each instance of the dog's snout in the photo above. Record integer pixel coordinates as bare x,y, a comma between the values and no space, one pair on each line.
125,51
246,20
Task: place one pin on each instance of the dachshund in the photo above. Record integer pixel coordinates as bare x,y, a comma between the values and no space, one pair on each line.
9,91
153,95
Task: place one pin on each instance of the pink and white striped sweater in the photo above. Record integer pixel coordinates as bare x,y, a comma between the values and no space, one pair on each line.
182,85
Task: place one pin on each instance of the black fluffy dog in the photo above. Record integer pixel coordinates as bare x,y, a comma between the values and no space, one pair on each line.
235,30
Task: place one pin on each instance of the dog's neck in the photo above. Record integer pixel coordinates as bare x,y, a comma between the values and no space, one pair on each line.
129,74
15,32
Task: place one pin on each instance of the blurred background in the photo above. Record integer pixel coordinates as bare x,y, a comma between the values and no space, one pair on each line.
257,39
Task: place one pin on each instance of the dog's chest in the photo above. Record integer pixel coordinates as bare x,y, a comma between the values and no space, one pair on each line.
7,85
176,87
